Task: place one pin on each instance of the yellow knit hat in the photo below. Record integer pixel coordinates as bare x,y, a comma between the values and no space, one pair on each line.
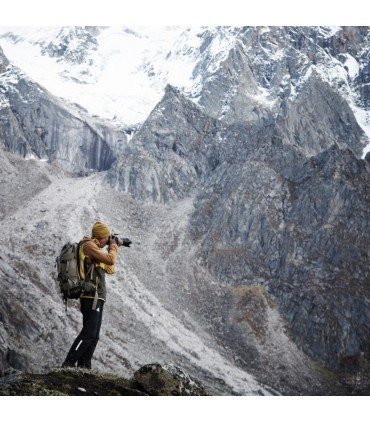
100,230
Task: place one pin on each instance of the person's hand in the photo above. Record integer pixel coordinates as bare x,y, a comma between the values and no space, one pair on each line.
116,241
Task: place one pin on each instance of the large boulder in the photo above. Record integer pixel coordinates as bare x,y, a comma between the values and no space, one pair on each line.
157,379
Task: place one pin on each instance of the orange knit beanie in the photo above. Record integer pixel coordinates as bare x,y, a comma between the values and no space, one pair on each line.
100,230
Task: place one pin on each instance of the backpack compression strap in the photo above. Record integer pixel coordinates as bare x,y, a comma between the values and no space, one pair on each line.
93,271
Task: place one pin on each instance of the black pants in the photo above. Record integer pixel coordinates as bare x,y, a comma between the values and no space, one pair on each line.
84,345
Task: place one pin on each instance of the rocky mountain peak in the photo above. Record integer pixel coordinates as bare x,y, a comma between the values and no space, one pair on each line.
73,44
177,135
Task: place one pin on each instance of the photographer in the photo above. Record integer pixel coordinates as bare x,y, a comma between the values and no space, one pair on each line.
94,264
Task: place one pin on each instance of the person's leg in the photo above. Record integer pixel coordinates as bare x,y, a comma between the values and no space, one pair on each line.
87,337
85,358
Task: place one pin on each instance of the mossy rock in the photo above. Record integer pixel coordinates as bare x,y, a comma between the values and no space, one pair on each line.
151,379
70,382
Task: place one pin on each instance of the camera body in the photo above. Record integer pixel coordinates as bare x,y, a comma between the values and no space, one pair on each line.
121,242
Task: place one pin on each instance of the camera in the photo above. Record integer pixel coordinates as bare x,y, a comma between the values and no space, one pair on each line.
124,242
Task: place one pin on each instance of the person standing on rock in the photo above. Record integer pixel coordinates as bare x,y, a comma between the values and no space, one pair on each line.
94,263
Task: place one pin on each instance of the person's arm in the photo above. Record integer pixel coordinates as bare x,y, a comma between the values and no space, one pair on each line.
108,269
107,257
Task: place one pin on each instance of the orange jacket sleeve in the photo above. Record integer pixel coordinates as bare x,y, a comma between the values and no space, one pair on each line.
100,256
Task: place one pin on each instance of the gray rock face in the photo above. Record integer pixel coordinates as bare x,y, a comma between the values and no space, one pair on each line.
298,237
328,252
170,153
319,118
35,123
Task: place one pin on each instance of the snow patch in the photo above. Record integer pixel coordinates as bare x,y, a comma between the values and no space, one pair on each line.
34,157
352,65
111,83
262,98
329,31
264,29
363,119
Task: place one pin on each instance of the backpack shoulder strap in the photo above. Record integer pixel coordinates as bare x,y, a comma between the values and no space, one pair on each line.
80,257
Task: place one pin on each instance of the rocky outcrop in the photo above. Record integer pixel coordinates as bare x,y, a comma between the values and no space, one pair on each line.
318,118
297,236
73,44
152,379
172,151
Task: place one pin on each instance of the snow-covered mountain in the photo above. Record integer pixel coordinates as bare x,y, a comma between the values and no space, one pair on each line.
120,73
115,73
